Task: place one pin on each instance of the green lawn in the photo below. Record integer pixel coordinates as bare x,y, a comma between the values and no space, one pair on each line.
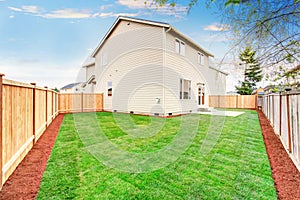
120,156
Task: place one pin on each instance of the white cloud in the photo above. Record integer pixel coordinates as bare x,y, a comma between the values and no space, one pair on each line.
104,7
31,9
11,16
111,14
177,10
217,27
15,9
67,14
26,9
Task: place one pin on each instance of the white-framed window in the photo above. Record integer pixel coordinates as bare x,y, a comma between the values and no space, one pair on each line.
104,59
200,58
109,88
179,47
184,89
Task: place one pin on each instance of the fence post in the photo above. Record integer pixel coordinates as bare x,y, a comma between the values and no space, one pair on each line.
58,101
280,112
46,106
33,110
237,101
81,101
273,108
1,113
288,121
52,106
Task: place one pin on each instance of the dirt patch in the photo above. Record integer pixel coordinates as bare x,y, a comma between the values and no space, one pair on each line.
25,181
285,174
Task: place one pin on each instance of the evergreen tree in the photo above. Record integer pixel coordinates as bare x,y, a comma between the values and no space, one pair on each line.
252,73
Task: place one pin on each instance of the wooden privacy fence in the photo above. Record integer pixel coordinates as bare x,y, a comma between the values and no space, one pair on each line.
233,101
26,112
80,102
282,110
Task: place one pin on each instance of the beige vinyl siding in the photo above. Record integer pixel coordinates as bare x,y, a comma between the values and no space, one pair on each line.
131,78
176,68
191,53
125,26
126,51
141,71
90,70
120,44
187,67
217,82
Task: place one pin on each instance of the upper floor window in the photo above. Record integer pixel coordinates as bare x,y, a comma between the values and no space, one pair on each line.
200,58
179,47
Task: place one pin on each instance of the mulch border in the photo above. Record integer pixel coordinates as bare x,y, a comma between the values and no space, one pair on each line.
25,181
285,174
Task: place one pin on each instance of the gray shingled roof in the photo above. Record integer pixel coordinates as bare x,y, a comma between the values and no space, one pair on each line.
69,86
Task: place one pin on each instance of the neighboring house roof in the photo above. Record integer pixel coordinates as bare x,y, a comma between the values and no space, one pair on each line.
69,86
89,61
153,23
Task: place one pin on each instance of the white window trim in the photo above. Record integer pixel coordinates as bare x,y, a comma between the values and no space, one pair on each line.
109,87
181,48
200,58
181,89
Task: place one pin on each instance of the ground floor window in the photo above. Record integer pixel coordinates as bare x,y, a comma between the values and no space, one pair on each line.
185,89
109,88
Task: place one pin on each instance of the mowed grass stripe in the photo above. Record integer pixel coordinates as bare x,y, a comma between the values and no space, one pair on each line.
237,167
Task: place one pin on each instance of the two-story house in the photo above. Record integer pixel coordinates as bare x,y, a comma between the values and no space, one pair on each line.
149,67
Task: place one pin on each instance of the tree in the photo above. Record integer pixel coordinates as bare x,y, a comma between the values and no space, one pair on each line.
271,27
252,72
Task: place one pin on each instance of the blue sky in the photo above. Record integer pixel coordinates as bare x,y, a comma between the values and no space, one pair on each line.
47,41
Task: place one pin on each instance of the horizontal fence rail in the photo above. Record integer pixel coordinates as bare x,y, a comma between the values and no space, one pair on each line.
233,101
26,111
282,110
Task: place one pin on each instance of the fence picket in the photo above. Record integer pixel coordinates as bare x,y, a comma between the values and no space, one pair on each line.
288,123
26,111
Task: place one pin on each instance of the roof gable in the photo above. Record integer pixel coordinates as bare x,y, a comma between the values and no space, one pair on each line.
147,22
130,19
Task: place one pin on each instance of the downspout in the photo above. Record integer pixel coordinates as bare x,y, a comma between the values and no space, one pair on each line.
164,66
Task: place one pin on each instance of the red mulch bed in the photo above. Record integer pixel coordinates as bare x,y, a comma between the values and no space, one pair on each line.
285,174
25,181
